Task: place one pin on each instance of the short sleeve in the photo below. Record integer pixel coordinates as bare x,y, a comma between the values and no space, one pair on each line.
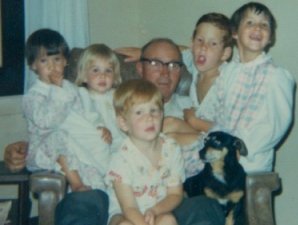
176,165
119,170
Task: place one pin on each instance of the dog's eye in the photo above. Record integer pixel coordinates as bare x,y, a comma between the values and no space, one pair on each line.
206,140
217,143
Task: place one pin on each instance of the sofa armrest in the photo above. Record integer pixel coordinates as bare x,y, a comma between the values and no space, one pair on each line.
49,188
259,188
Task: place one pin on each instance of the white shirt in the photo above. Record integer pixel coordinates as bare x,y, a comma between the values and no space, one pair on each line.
149,184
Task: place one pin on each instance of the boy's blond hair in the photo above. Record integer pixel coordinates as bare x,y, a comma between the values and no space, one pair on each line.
92,53
135,91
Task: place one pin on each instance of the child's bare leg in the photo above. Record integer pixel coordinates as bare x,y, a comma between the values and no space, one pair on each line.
173,124
166,219
119,220
72,176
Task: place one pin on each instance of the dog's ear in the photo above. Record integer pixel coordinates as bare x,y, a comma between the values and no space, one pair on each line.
240,146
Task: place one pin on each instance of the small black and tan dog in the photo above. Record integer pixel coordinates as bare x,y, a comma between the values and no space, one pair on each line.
223,177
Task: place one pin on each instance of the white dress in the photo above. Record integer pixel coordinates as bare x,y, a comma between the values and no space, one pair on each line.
100,110
56,127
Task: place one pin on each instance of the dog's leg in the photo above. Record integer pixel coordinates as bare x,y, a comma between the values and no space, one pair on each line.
209,193
236,214
235,196
230,218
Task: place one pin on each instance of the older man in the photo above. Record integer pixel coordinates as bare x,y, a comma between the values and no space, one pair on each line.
161,63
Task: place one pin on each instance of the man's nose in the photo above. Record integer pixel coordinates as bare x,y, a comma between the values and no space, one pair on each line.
165,70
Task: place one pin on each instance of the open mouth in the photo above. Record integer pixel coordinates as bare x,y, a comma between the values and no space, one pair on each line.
257,38
150,129
201,60
102,84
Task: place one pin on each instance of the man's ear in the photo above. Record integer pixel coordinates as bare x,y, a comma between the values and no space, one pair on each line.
139,67
227,53
122,123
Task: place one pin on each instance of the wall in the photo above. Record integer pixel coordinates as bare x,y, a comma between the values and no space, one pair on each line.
176,19
12,124
114,22
133,22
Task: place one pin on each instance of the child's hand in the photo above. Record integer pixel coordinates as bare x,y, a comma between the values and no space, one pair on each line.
106,135
56,79
149,216
189,114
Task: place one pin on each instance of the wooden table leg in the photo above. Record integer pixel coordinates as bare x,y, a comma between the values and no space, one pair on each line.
23,203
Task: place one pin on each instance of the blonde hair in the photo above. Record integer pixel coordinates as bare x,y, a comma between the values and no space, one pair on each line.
92,53
133,92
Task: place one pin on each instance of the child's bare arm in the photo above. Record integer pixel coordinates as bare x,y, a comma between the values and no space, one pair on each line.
128,203
169,203
195,122
176,125
180,130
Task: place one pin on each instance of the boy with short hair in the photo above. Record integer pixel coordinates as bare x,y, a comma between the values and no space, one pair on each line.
146,174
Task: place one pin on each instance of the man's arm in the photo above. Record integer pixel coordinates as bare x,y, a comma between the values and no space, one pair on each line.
15,155
133,54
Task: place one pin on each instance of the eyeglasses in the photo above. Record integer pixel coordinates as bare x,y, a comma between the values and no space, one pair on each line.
158,65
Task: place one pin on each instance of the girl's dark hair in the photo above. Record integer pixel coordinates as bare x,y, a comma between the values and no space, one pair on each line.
220,21
52,41
257,8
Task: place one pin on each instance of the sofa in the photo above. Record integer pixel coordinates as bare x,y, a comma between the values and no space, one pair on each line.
50,187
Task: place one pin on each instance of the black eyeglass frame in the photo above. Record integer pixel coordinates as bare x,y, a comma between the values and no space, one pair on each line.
178,63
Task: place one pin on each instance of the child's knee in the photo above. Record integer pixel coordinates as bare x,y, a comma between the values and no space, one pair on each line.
166,219
119,220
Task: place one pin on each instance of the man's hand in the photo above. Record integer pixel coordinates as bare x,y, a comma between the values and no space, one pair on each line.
132,54
56,79
15,155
